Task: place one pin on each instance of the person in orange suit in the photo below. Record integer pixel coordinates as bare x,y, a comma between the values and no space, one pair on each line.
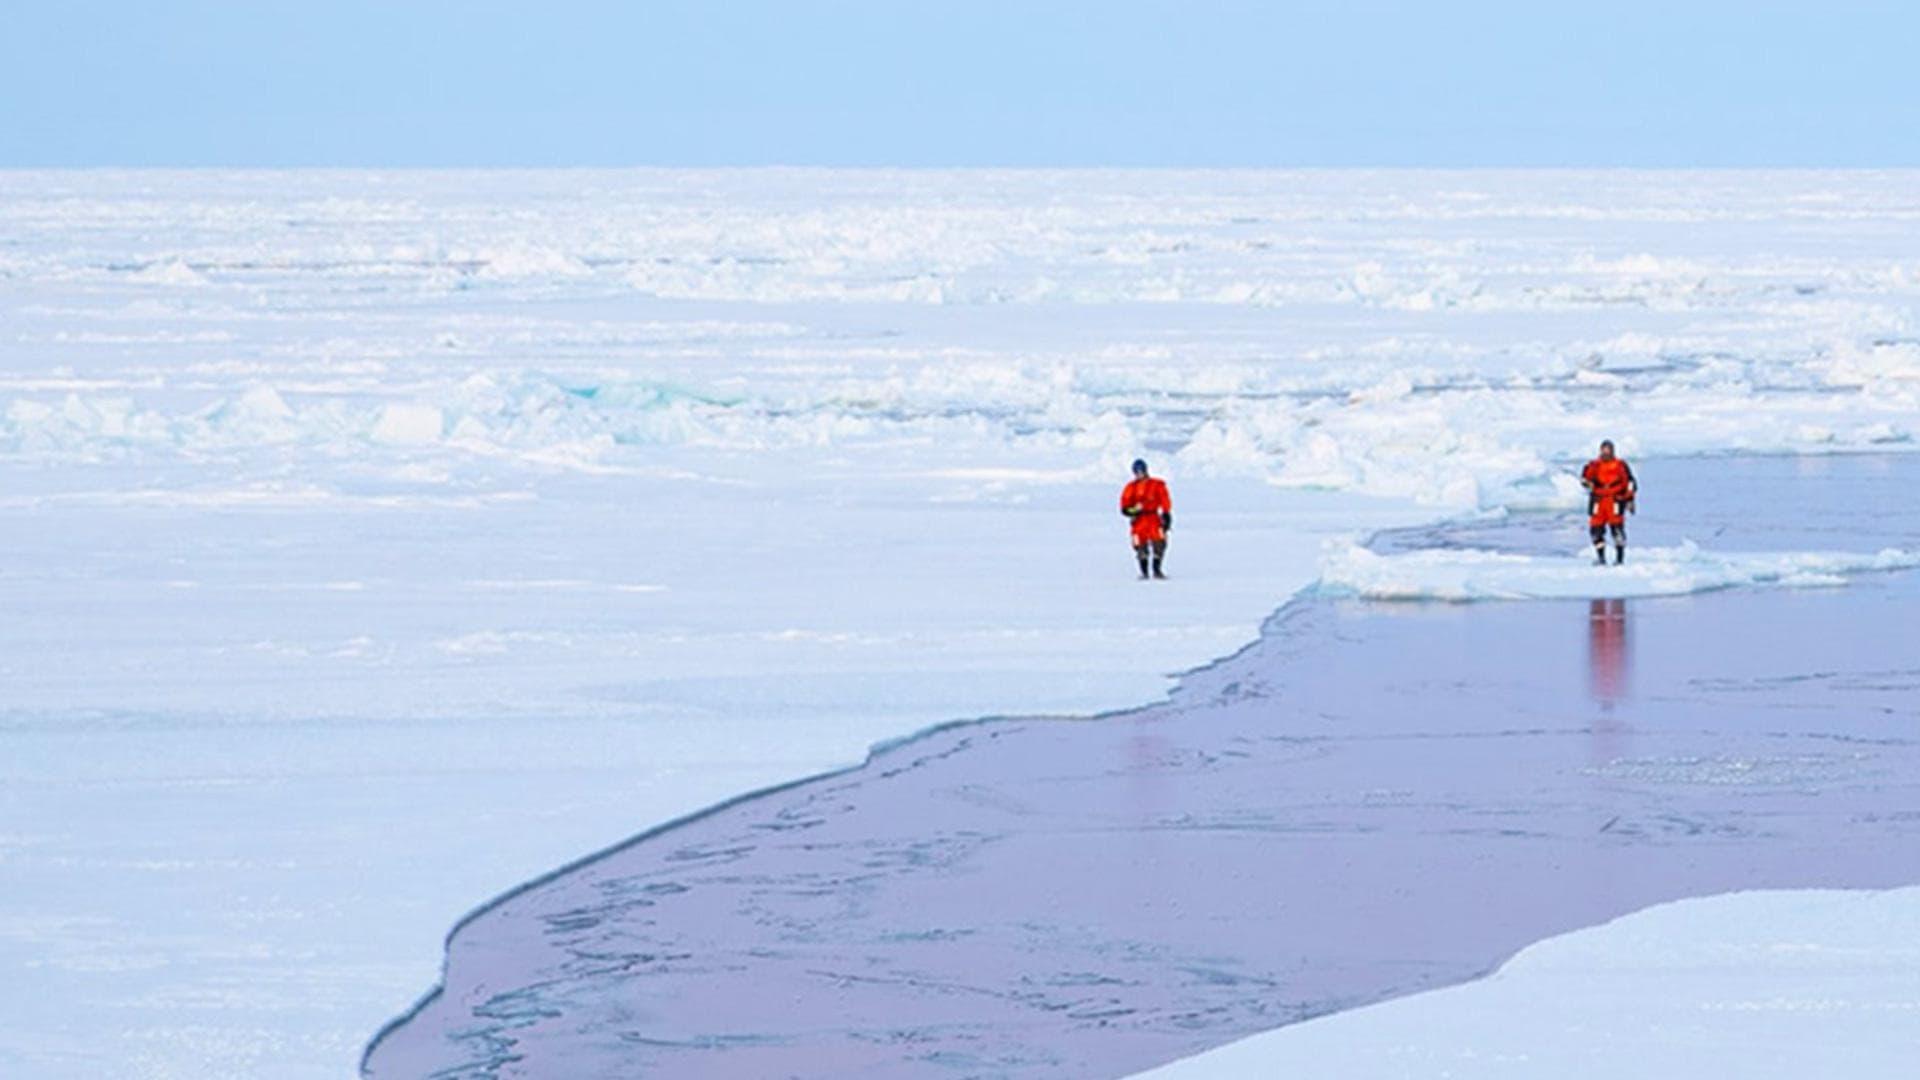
1611,489
1149,508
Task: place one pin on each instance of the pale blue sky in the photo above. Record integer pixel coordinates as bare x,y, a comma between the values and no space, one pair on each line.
1067,82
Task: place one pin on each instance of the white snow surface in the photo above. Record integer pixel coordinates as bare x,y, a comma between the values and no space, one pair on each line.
377,541
1759,985
1465,574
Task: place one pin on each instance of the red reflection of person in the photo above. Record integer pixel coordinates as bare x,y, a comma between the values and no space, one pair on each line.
1607,659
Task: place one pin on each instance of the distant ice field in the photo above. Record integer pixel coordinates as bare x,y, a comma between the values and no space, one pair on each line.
376,541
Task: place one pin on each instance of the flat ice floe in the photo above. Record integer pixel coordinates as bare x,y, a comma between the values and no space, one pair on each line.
1779,985
1463,575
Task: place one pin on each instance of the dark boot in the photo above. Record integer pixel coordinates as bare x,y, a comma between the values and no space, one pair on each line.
1599,554
1156,570
1619,554
1143,567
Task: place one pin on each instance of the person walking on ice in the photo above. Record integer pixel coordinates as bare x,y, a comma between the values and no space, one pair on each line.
1147,505
1610,494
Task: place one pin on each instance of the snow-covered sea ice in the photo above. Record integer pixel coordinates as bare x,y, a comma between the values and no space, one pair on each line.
381,540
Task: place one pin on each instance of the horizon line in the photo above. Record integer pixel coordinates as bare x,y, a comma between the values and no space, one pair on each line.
775,166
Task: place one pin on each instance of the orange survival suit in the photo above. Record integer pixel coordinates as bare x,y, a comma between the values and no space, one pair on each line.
1610,491
1146,503
1149,509
1610,487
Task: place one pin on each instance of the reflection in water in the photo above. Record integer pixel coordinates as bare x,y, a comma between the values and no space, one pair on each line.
1153,761
1150,758
1609,664
1609,667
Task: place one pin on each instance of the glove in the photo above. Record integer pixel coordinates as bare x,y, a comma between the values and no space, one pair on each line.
1166,521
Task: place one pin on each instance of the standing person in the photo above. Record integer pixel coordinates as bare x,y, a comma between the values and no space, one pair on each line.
1610,494
1147,505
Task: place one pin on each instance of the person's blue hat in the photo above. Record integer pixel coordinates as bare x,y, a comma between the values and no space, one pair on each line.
1139,465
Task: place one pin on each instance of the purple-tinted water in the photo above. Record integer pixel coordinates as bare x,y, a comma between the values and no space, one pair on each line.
1370,801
